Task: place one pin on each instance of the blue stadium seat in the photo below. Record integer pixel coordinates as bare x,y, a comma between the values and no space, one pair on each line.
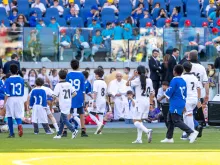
61,21
155,13
199,21
193,11
76,22
183,19
125,3
44,2
23,4
83,13
144,21
162,3
46,20
146,5
211,10
77,2
173,6
23,10
160,22
90,3
39,13
52,12
108,15
193,3
124,12
3,12
86,34
204,5
6,22
66,12
176,3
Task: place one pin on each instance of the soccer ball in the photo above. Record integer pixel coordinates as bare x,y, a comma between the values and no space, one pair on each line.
4,128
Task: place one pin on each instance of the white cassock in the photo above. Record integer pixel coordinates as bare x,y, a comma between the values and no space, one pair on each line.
114,88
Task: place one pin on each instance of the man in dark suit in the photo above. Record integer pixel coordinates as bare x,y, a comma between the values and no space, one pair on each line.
172,63
14,60
155,70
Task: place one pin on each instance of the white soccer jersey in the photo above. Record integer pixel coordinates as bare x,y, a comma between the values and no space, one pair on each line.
136,83
64,90
192,85
100,88
199,71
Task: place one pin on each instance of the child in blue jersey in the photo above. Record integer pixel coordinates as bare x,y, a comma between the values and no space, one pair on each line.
118,31
38,103
94,24
127,33
54,25
76,78
176,94
14,91
97,43
107,35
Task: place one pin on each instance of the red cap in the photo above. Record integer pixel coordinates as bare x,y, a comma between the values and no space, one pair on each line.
218,22
63,31
167,21
148,24
214,30
187,22
204,24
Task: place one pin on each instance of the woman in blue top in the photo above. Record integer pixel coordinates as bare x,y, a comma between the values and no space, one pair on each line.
175,17
212,17
138,13
118,31
128,29
77,41
97,43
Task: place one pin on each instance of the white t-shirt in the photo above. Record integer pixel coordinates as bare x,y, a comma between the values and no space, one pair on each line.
7,8
31,81
54,80
64,91
111,7
59,8
48,91
192,85
199,71
40,6
136,83
208,7
100,88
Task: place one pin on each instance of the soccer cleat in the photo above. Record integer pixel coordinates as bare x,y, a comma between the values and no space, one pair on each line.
137,142
167,140
99,129
11,136
193,136
57,137
36,133
83,134
75,133
149,135
200,129
184,137
20,130
51,130
64,134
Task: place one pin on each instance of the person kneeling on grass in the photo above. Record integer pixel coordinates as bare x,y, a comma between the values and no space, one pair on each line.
64,91
176,94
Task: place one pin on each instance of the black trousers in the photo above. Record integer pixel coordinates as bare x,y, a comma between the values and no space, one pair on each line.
175,120
156,85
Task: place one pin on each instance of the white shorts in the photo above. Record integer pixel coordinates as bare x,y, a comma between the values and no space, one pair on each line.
39,114
15,107
142,109
191,103
100,107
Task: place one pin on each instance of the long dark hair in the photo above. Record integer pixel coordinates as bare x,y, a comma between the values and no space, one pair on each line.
217,12
141,71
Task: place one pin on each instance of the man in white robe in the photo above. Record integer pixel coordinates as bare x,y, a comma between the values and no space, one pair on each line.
117,89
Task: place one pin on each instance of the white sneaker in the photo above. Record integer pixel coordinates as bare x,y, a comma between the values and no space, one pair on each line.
99,129
149,135
51,130
57,137
167,140
75,133
61,58
193,136
137,142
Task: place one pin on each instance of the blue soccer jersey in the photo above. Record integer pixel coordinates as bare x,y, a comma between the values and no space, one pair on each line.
38,96
2,91
14,86
76,78
88,87
177,93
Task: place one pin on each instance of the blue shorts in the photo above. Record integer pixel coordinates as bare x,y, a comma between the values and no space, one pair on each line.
80,110
49,98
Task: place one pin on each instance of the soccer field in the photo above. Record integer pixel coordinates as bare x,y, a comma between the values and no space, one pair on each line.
112,148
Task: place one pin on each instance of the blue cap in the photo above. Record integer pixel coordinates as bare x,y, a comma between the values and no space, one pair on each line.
53,18
33,12
94,7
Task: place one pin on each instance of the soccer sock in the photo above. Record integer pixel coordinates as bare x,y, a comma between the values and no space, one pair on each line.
190,122
77,120
101,119
65,130
10,125
76,124
141,126
94,118
18,120
36,130
46,127
139,134
56,126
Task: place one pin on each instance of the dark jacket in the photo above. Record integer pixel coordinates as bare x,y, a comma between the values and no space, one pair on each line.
163,72
6,68
1,65
155,69
183,61
217,63
171,64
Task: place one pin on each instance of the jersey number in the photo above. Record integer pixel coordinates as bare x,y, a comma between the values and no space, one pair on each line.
182,89
197,75
67,93
75,83
36,100
16,88
193,85
103,92
147,92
